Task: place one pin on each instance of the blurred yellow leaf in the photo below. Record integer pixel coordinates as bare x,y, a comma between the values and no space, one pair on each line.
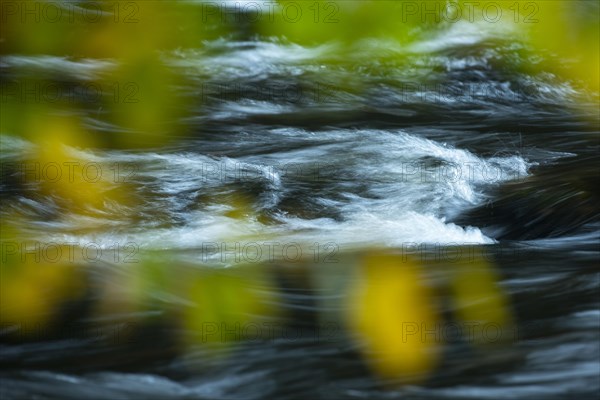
320,21
393,312
36,279
229,306
479,302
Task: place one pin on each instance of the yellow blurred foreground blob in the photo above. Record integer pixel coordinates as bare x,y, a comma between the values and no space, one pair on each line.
141,96
228,306
145,104
569,29
35,280
107,28
479,302
320,21
121,300
77,184
572,31
392,311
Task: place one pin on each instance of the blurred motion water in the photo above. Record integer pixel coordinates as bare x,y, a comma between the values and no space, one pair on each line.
295,162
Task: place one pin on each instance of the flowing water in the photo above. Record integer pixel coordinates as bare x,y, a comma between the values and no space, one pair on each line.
483,151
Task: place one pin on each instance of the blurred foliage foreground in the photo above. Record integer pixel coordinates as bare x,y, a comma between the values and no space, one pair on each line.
398,311
393,306
135,98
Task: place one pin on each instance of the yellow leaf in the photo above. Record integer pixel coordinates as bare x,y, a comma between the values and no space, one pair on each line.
392,311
